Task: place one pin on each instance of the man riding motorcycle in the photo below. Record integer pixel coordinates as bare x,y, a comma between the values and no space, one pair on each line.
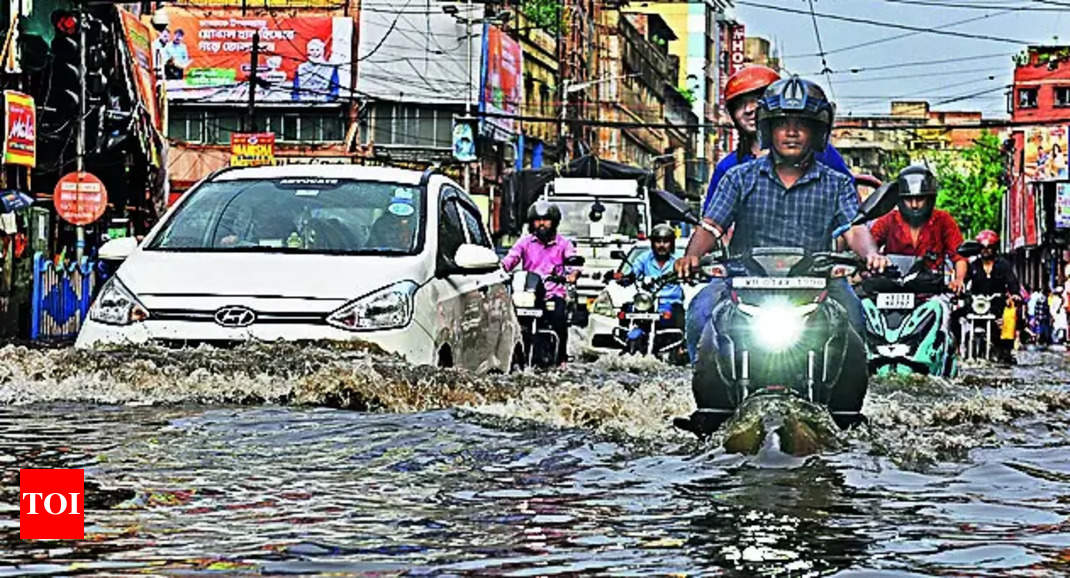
659,261
993,275
543,252
743,92
918,228
786,199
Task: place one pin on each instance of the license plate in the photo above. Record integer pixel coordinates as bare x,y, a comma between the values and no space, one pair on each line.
778,283
895,301
646,316
529,312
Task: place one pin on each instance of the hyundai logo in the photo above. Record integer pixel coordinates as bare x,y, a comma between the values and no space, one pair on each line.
235,316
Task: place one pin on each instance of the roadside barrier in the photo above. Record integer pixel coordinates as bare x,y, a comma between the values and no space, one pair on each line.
61,298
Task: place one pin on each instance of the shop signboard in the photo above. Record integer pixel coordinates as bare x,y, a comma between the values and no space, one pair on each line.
20,129
80,198
501,89
206,57
1045,153
252,149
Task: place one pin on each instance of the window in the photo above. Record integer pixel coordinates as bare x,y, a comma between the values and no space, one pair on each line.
415,125
476,233
1027,98
214,125
1062,96
450,230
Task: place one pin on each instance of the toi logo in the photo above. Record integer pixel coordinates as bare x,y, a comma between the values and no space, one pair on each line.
52,504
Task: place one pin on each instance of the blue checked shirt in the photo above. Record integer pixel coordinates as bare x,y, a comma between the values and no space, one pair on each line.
766,214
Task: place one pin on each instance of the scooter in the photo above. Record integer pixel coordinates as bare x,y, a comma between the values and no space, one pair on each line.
775,333
908,320
648,326
541,342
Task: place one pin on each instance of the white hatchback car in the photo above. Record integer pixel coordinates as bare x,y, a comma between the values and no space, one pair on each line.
390,256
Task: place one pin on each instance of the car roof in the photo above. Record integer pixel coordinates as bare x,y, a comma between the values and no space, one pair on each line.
358,172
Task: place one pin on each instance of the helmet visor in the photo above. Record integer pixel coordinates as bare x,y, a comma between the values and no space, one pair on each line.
915,185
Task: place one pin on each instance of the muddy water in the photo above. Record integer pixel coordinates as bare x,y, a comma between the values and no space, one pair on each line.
322,460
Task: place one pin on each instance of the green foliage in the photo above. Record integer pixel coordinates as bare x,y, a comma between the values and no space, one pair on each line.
895,162
544,14
688,94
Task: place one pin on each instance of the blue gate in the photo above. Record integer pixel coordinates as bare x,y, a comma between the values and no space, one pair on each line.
61,298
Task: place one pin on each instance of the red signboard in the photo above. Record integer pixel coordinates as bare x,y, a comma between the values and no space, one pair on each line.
80,198
737,46
502,90
20,129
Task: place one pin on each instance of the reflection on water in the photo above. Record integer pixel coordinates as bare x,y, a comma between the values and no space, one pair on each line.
228,462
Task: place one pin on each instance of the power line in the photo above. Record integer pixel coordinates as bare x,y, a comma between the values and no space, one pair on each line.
821,50
973,6
920,63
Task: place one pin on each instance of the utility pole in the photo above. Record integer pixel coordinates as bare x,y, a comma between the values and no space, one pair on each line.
79,139
468,96
254,64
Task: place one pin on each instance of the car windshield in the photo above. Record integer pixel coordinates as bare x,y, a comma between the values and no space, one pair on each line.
300,215
618,219
642,251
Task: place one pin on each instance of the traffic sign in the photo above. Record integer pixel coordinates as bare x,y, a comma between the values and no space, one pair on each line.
80,198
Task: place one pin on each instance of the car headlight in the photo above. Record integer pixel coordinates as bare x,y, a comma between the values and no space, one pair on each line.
387,308
643,302
117,305
778,325
604,305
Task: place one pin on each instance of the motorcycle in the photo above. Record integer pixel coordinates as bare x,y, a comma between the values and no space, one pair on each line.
779,334
908,320
533,310
980,324
648,326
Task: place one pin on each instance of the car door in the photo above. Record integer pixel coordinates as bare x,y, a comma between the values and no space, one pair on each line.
460,299
497,329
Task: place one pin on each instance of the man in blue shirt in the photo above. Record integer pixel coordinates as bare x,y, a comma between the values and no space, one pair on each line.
785,199
742,92
658,262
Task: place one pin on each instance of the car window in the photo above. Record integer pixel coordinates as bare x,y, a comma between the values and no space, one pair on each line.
476,233
450,230
305,215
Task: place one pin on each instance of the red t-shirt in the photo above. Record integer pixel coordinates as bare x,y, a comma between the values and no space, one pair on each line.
940,235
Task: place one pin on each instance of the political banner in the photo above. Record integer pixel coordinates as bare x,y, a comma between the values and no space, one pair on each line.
139,43
1045,153
502,82
206,57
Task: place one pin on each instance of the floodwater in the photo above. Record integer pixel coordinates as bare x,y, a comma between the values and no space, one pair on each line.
290,460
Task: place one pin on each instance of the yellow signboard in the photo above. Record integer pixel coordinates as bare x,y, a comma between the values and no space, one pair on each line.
252,149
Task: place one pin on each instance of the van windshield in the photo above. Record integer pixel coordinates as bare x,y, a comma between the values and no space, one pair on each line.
299,215
627,219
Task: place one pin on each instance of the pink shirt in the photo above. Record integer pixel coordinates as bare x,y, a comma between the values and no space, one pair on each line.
535,256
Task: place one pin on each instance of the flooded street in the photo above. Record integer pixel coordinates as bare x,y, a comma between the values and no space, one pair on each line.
306,460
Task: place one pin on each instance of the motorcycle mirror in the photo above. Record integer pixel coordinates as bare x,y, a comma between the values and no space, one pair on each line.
673,208
608,276
969,249
575,261
880,202
617,254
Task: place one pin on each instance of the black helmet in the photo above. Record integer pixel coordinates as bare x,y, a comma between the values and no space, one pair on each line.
544,210
795,97
662,231
916,181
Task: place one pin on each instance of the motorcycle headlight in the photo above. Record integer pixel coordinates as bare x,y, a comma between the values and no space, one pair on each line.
643,302
387,308
981,305
117,305
778,325
604,305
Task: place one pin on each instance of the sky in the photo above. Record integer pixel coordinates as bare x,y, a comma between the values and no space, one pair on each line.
975,79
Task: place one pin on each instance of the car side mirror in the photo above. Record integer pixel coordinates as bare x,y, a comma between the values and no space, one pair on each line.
117,249
472,258
969,249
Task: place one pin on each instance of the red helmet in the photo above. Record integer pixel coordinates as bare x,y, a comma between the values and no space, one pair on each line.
749,79
988,238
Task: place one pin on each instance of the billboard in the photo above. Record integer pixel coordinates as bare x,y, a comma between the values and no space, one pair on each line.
1045,153
206,57
501,86
20,129
139,42
1062,206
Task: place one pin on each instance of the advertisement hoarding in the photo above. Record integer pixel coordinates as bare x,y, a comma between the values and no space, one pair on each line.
1062,206
206,57
139,43
252,149
1045,153
20,129
501,87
